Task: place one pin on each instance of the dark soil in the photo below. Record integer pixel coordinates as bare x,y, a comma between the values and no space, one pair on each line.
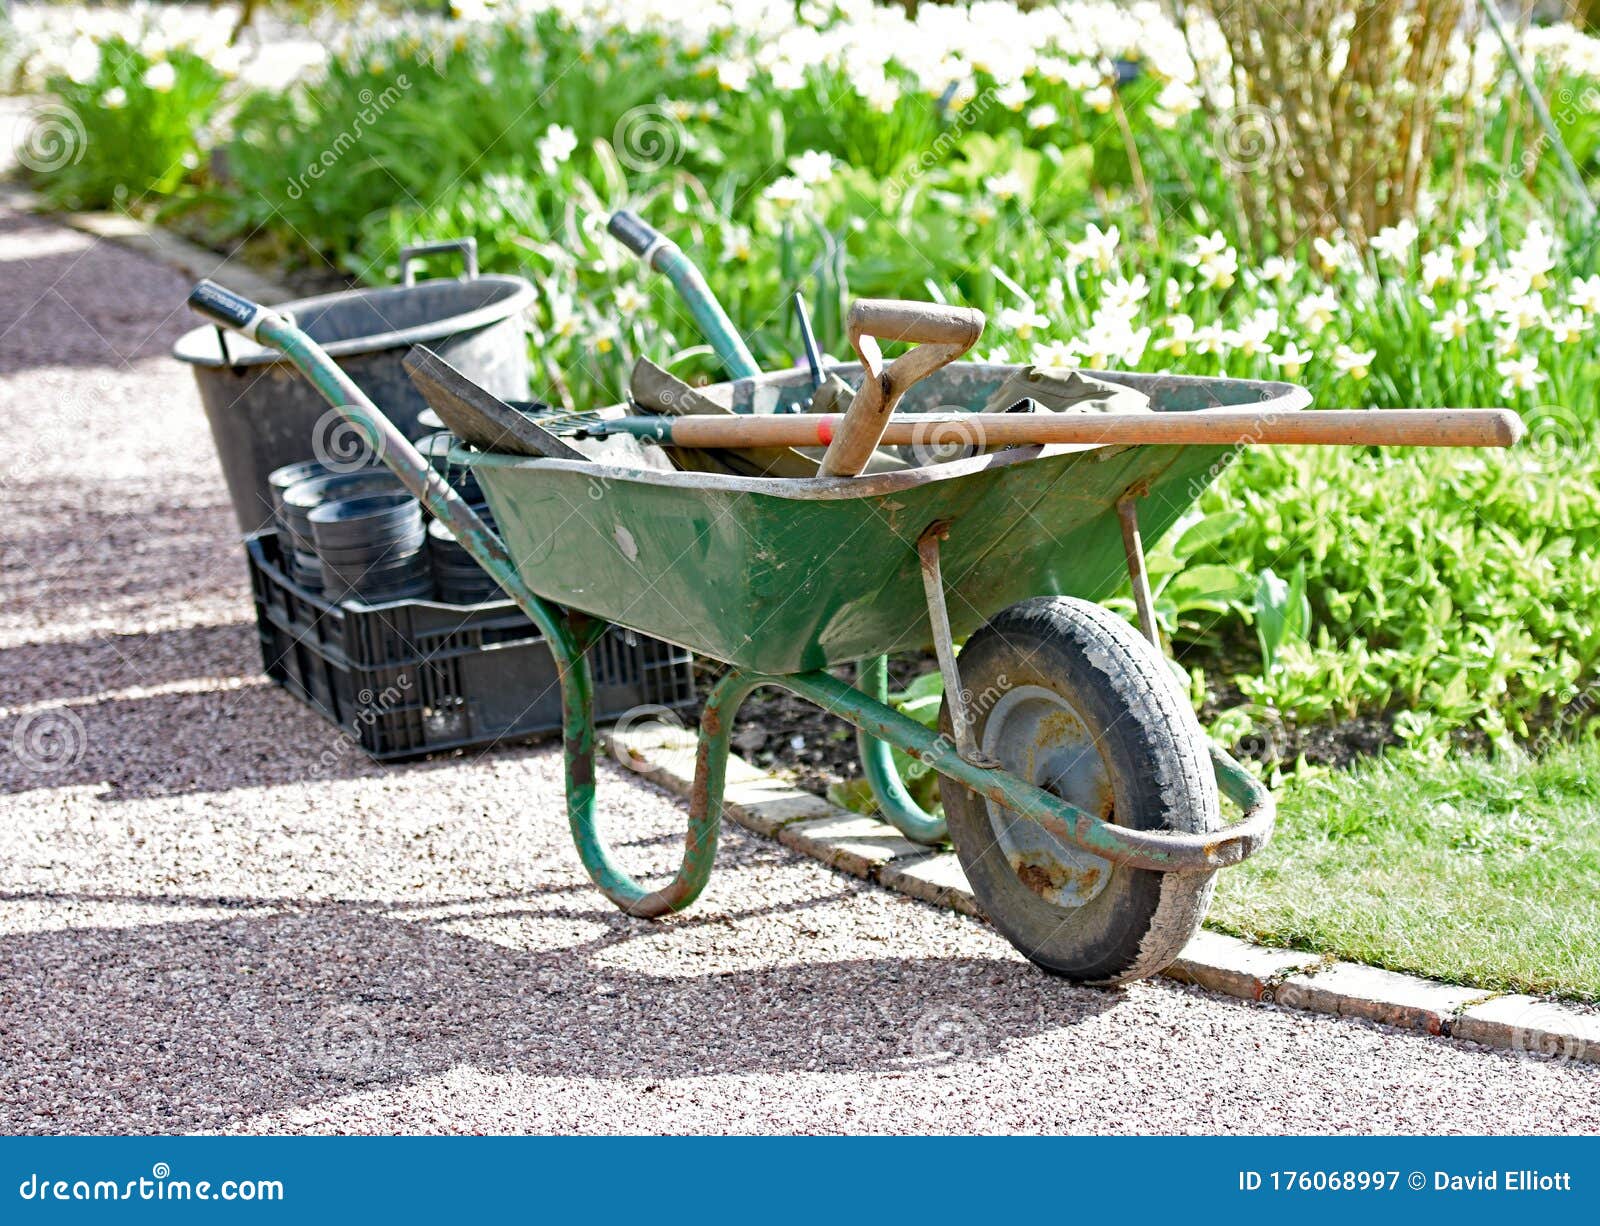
779,732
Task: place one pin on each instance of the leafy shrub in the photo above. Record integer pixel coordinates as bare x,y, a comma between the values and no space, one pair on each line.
132,129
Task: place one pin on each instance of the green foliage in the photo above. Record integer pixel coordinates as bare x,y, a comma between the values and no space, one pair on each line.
1449,594
129,132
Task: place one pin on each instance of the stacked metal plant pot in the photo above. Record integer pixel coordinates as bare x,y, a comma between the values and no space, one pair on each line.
359,535
373,548
301,498
459,578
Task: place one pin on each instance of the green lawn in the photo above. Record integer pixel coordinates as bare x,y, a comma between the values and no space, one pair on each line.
1472,870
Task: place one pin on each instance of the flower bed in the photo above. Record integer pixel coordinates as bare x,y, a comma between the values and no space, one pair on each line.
1055,168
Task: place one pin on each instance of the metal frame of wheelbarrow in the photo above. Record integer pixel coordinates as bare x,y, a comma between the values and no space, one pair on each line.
570,636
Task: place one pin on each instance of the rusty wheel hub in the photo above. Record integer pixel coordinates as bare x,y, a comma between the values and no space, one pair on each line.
1036,734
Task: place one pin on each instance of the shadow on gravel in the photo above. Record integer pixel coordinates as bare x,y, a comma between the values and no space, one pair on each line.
71,307
253,735
100,663
192,1025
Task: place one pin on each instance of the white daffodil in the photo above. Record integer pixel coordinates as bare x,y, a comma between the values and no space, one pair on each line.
1055,294
733,76
555,147
1177,99
1292,360
1013,95
1041,117
1519,374
1215,263
1180,334
1316,311
812,167
1098,99
160,76
1438,267
564,319
1097,248
1251,339
1567,329
1534,257
1352,362
1394,243
1275,270
1022,321
787,192
1334,255
1007,186
1585,294
1055,353
1123,295
1210,338
605,337
630,300
1453,324
736,243
1470,237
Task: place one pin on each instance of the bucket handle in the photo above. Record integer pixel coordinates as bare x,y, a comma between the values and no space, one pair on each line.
468,247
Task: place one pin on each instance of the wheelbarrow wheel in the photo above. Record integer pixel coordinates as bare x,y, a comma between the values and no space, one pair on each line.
1067,695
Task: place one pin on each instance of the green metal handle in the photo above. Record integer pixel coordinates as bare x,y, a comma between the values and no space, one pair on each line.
568,645
658,251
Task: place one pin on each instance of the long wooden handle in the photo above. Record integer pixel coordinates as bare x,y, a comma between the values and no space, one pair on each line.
1215,427
944,334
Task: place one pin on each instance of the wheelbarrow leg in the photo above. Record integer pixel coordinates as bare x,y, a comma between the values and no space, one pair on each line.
877,765
1133,546
705,810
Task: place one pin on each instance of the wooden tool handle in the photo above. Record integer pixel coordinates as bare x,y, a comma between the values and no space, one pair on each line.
944,334
918,323
1204,427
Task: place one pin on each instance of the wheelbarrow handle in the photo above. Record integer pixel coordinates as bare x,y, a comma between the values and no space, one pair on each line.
943,333
230,310
226,308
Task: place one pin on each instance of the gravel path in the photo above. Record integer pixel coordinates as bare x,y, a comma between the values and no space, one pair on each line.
214,916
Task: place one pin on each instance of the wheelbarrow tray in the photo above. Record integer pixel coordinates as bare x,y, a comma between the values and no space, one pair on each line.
784,576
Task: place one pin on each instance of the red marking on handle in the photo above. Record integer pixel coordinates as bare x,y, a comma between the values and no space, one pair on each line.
824,430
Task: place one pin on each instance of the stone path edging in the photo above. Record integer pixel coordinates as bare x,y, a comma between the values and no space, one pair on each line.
873,850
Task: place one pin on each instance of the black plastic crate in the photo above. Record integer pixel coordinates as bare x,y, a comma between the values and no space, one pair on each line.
415,677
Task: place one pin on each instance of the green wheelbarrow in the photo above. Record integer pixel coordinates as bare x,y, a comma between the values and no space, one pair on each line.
1080,792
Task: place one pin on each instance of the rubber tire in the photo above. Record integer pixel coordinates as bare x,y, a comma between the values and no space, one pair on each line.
1160,769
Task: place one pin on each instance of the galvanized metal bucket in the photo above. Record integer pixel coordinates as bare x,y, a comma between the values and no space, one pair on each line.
264,414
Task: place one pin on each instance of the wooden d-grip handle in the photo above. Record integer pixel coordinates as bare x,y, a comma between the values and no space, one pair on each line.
943,333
